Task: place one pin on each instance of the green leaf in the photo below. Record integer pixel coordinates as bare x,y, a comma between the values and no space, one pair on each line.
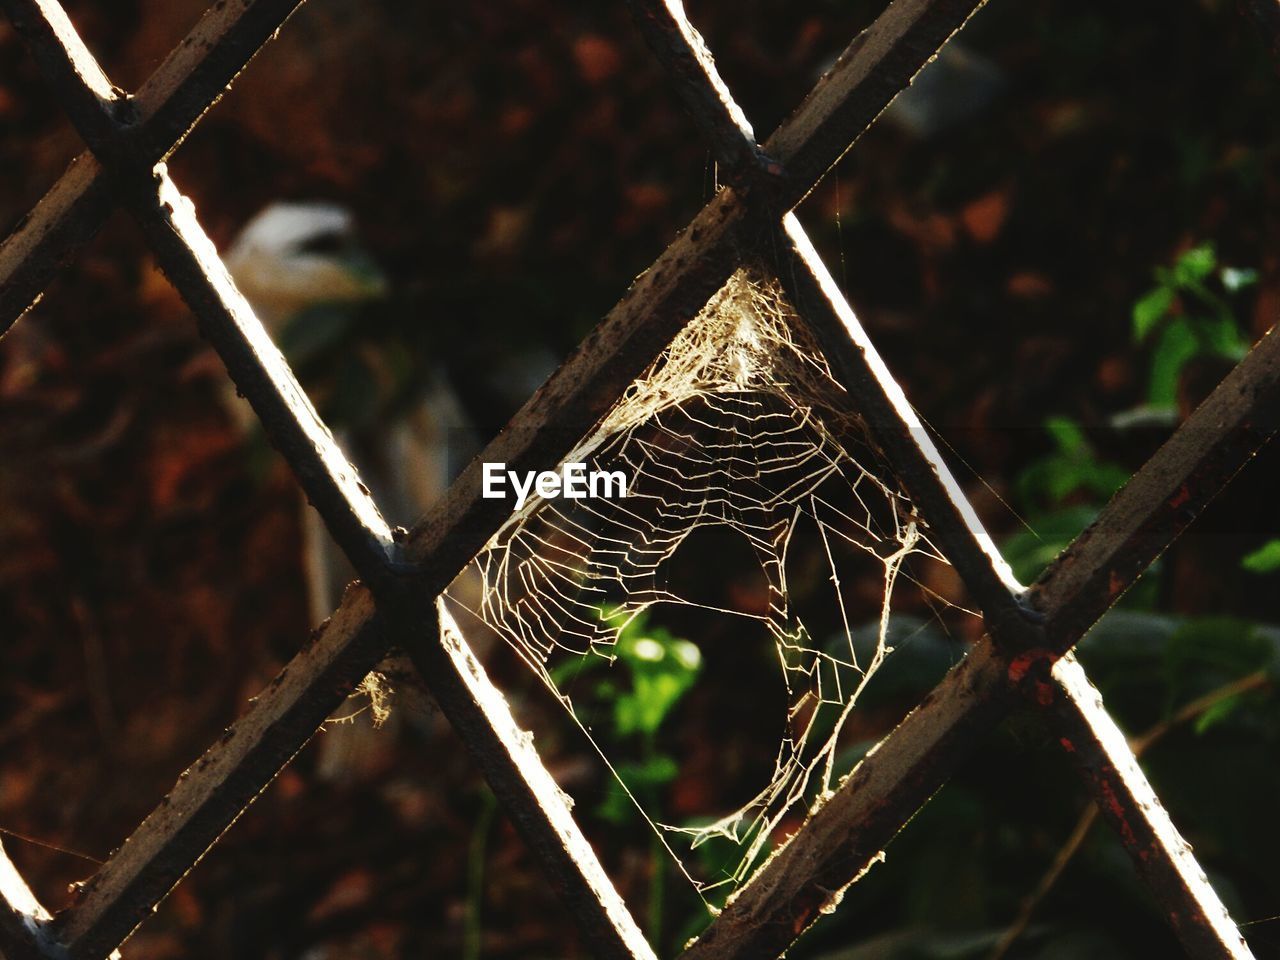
1266,559
651,699
1075,467
1178,344
1150,310
1221,337
1067,434
662,667
1195,264
1217,713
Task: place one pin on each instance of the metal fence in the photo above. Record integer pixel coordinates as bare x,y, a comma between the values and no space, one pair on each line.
1024,658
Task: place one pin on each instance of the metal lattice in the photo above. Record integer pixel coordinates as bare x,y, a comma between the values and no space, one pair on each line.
1030,631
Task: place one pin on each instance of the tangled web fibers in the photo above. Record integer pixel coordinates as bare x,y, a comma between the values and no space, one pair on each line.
737,426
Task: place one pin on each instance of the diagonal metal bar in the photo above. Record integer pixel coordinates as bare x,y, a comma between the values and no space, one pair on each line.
953,523
216,789
188,258
878,64
84,90
863,81
1162,857
683,53
532,799
23,921
165,108
222,782
1170,491
845,837
60,226
1127,801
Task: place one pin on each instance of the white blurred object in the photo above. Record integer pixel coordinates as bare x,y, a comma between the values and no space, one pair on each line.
954,88
289,258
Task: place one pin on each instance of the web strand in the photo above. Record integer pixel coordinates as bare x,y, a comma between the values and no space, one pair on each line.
738,428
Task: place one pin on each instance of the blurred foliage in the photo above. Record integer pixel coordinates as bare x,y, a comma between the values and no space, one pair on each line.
1187,319
1061,494
1266,559
661,668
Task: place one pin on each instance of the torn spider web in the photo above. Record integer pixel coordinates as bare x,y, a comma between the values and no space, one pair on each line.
738,427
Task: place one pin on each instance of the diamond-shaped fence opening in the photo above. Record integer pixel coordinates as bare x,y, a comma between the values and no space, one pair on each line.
1025,657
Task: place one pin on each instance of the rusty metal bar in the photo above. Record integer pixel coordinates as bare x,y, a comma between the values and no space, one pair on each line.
188,258
1163,860
216,789
684,55
533,801
166,106
198,71
1170,491
86,94
845,836
58,228
23,921
906,38
191,262
864,80
663,299
1126,800
953,525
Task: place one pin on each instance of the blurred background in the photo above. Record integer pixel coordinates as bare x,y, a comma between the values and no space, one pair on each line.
1061,239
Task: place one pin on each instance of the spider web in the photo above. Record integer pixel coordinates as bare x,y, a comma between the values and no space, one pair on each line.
739,427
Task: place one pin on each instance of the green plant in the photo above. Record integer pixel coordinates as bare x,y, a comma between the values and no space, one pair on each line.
660,668
1186,318
1061,494
1266,559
